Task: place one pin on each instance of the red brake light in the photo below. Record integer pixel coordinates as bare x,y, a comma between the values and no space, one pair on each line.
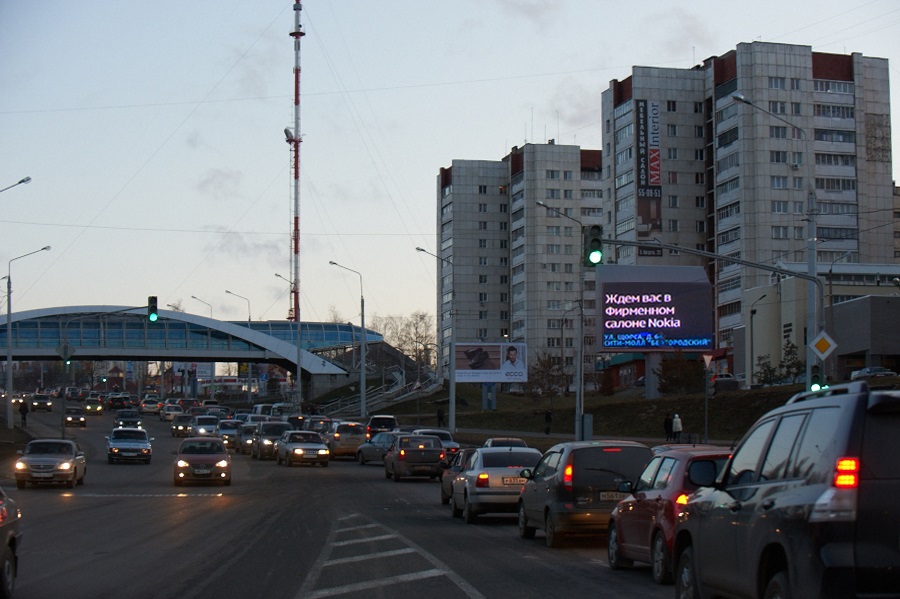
681,499
612,449
402,454
846,473
337,435
482,480
567,477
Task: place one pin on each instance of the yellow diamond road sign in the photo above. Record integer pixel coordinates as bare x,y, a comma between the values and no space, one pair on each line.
823,345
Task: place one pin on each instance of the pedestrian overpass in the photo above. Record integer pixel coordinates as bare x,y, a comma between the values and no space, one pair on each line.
125,333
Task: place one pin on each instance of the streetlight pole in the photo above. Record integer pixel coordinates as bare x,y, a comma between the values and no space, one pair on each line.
212,366
579,366
249,363
451,362
297,377
9,373
814,323
752,355
19,182
362,340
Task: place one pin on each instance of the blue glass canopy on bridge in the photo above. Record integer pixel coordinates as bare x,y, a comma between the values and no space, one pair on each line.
123,333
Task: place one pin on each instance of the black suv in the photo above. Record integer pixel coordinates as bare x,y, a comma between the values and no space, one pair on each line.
807,505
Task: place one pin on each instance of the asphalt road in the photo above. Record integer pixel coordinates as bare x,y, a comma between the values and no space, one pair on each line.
301,532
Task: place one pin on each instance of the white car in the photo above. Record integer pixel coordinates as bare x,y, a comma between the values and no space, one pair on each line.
168,412
871,371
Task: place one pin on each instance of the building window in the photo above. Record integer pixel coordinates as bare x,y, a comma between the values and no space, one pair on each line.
835,135
778,157
482,261
552,194
671,106
698,131
779,182
482,297
777,107
481,333
483,243
798,232
552,174
699,154
672,130
777,132
504,225
699,178
482,315
482,225
672,153
795,84
554,248
699,202
779,232
673,201
482,208
482,279
568,176
673,226
780,207
482,190
568,194
776,82
698,107
672,177
795,109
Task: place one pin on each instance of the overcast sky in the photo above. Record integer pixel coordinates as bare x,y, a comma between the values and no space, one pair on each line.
153,131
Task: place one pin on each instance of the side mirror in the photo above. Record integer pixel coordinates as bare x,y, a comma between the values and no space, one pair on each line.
526,473
624,486
702,473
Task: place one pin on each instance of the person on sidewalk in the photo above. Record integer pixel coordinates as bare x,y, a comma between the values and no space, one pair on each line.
676,428
23,410
667,426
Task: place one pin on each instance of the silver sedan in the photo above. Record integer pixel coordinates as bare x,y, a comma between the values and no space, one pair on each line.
489,481
301,447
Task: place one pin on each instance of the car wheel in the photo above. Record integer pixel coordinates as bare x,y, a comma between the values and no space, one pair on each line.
7,573
110,460
778,587
278,459
288,461
386,473
70,484
551,536
455,512
659,559
469,515
80,481
20,484
360,459
396,476
445,499
147,461
686,576
613,557
525,531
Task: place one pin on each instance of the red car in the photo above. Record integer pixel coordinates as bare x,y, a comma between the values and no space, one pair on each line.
202,459
642,526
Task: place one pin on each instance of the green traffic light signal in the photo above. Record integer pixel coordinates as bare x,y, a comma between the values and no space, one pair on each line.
815,378
152,312
593,245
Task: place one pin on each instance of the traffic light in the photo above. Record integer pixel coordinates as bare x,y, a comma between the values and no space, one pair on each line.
593,245
152,312
815,378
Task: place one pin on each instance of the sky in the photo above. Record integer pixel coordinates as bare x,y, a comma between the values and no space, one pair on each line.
153,132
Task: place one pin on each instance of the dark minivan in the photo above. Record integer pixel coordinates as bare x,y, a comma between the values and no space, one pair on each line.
807,506
574,487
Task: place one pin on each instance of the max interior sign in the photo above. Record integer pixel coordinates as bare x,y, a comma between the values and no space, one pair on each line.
656,316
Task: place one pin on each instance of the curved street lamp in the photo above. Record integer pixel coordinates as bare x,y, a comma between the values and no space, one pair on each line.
249,363
362,340
19,182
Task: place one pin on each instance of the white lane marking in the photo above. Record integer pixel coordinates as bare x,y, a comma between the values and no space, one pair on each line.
368,556
439,568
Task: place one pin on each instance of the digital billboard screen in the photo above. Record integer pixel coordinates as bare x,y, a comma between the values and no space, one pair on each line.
656,316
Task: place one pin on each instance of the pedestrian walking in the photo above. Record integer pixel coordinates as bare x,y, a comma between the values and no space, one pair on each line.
440,416
23,410
548,421
667,426
676,428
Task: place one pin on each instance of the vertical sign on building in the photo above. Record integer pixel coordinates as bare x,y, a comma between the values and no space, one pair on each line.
649,169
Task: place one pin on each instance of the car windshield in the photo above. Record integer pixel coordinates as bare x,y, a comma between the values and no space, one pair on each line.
126,414
207,421
120,434
510,459
442,435
351,428
229,425
304,438
43,448
197,447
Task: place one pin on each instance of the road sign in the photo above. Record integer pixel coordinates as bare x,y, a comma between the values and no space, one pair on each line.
65,351
823,345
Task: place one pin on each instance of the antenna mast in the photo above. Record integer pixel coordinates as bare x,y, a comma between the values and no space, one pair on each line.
294,139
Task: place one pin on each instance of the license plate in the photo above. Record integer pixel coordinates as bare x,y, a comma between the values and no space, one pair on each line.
129,454
202,471
513,480
42,474
612,496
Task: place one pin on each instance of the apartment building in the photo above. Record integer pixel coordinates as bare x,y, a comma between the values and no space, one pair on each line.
510,269
738,156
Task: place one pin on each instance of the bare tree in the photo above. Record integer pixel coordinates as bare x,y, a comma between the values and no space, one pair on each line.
334,315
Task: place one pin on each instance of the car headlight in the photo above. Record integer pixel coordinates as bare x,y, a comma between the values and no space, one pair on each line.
114,450
222,464
201,430
65,465
267,441
145,451
21,466
182,464
323,452
298,451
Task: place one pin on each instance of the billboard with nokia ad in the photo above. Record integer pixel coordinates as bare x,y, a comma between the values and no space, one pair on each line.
660,315
491,363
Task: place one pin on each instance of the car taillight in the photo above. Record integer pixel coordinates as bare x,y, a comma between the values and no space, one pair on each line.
567,477
482,480
681,499
838,503
337,436
846,473
443,456
401,455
